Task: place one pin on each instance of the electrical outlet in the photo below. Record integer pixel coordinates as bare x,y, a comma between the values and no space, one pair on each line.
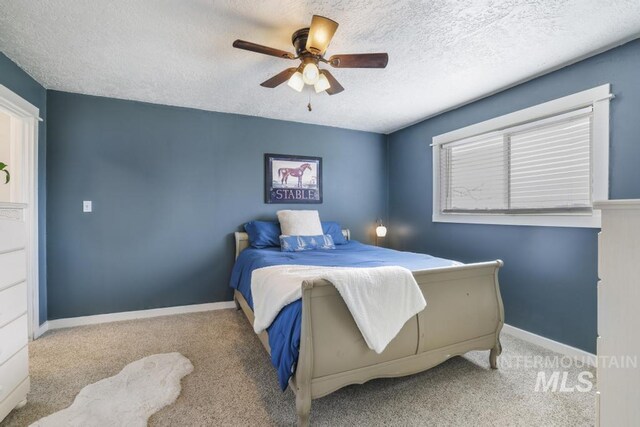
87,206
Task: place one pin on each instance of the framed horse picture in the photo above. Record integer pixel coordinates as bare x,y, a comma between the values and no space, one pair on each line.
292,179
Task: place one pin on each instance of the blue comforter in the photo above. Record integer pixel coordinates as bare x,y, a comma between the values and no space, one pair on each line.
284,332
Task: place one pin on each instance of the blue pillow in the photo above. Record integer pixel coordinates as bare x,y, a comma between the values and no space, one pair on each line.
263,234
305,243
335,231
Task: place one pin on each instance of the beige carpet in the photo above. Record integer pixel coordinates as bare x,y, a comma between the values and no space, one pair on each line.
233,382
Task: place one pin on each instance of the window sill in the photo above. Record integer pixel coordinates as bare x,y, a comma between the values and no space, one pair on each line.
592,220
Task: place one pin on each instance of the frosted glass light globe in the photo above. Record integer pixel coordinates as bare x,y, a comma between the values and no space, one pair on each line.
310,74
322,84
296,81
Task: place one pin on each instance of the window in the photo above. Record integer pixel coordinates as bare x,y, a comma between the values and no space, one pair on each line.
545,165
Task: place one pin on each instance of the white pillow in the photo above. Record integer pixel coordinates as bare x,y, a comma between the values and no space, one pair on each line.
300,223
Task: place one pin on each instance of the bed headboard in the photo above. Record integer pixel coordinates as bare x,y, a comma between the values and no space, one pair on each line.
242,240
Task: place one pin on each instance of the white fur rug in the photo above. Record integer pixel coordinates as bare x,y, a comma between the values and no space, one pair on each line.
128,398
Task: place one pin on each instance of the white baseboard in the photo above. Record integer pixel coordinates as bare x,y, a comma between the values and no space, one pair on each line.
550,344
130,315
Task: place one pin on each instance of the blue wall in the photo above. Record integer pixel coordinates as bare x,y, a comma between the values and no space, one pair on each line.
169,187
549,279
14,78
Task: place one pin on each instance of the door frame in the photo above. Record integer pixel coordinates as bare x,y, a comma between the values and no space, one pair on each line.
28,117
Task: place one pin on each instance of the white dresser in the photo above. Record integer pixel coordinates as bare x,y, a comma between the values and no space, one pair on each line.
618,396
14,357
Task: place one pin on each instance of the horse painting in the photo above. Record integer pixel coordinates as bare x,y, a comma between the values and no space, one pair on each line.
285,173
281,185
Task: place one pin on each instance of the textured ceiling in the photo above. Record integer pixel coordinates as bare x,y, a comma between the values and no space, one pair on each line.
442,53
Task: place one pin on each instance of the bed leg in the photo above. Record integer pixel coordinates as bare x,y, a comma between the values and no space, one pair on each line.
493,356
235,300
303,407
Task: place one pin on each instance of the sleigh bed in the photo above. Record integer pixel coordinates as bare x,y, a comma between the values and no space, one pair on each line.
464,312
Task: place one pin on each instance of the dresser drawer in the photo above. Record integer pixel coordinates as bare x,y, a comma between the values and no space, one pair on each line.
13,372
18,395
13,337
13,266
13,234
13,303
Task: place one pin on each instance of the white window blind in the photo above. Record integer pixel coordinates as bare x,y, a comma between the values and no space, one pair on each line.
543,166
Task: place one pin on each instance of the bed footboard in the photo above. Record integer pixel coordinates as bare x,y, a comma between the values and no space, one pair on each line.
464,312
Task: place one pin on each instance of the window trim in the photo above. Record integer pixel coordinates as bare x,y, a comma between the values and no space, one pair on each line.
598,98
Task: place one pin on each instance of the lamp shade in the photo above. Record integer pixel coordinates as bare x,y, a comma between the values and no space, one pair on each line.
322,84
320,34
381,231
296,82
310,73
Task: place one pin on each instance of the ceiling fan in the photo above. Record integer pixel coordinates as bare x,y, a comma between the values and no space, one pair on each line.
310,45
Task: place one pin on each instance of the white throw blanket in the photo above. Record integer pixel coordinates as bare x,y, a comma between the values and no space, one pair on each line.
380,299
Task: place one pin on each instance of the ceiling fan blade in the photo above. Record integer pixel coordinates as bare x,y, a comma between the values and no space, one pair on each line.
320,34
335,86
360,60
253,47
279,78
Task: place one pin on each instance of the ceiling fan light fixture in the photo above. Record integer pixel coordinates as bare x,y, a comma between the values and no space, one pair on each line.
322,84
310,44
310,73
296,81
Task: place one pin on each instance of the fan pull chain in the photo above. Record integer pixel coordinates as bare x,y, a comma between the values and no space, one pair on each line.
309,104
